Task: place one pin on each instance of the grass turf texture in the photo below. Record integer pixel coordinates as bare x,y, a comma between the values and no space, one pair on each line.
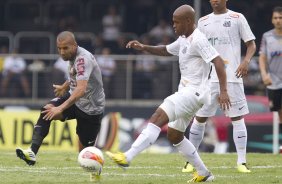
62,167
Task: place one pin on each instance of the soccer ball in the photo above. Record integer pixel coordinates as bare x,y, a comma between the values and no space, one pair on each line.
91,159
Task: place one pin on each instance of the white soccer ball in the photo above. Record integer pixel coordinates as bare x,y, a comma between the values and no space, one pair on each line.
91,159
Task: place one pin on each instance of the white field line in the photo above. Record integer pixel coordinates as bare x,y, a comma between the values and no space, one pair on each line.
130,168
123,174
78,171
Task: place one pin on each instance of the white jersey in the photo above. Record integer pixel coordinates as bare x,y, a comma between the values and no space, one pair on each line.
195,54
225,31
14,64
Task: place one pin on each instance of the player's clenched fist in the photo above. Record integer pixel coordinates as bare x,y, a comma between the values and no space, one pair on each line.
135,45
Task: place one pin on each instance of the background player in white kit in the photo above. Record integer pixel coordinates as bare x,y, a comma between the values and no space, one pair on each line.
85,101
224,29
195,54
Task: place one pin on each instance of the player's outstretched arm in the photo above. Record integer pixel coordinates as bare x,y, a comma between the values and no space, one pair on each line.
156,50
223,98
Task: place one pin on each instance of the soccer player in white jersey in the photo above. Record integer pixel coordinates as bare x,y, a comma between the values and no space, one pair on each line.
224,29
195,57
81,97
270,62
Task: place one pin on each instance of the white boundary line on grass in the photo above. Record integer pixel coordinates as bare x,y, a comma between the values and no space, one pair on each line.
130,168
117,174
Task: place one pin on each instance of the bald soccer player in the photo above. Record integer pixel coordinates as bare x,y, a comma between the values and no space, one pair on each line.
195,57
81,97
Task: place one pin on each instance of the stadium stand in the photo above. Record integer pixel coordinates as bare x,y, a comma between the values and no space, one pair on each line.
31,26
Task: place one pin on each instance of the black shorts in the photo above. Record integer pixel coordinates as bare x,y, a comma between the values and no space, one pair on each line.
275,99
88,126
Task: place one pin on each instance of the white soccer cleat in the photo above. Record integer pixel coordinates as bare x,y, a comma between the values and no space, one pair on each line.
27,155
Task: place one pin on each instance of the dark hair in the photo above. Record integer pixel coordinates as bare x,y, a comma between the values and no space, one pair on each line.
277,9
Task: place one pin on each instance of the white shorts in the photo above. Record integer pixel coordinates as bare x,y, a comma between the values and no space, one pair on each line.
239,106
182,106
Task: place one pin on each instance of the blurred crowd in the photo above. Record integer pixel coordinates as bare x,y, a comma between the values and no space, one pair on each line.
113,23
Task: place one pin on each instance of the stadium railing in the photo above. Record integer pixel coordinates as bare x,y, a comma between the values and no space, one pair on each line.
126,79
7,39
38,37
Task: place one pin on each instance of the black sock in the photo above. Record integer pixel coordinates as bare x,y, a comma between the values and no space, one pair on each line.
40,131
34,148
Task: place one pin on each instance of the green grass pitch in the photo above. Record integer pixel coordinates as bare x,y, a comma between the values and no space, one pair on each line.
62,167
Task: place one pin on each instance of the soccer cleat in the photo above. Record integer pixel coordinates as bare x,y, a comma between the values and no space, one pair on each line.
119,158
27,155
198,178
242,168
187,168
95,177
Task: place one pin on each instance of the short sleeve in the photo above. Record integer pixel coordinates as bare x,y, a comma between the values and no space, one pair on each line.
200,25
205,50
83,67
262,49
245,30
174,47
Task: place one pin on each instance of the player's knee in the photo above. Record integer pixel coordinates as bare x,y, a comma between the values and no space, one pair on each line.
159,118
46,107
174,136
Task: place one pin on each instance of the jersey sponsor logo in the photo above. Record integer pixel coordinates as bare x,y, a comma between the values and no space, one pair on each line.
227,24
219,41
225,62
276,53
234,15
80,67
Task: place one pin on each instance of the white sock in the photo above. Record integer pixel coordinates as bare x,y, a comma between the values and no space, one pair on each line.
147,137
196,134
240,139
188,150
